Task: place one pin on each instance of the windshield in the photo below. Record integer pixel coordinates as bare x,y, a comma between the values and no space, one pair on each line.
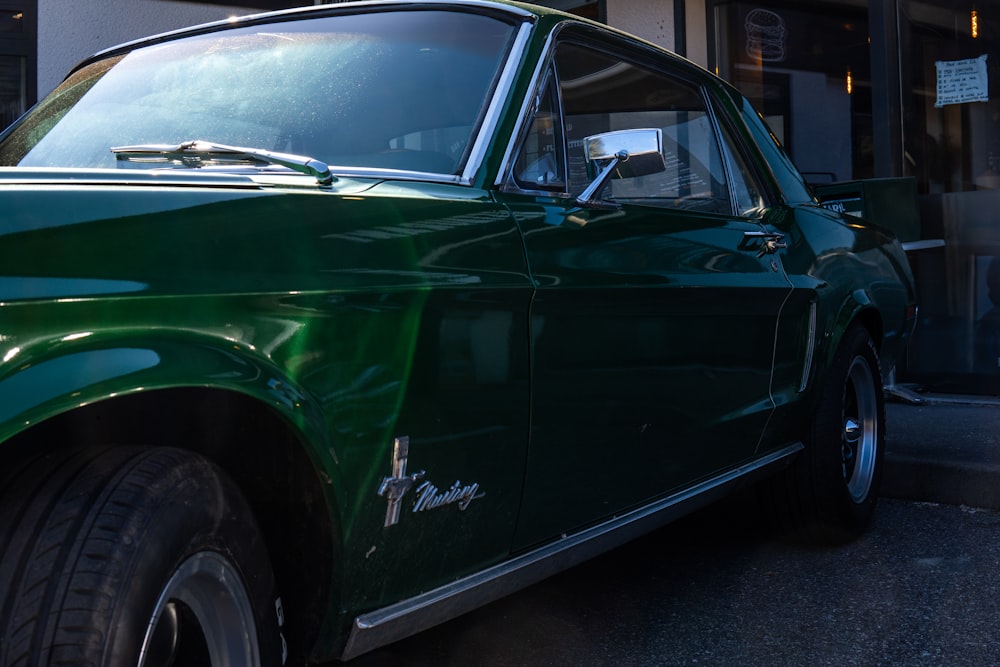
402,90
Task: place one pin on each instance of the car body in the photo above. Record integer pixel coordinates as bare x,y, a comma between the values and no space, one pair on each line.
417,302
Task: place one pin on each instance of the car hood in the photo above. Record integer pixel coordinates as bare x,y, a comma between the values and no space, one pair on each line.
92,233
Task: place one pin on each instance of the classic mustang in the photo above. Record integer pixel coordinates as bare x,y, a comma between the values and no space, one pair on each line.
322,326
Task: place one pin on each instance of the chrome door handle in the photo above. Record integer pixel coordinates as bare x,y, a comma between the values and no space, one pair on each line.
771,242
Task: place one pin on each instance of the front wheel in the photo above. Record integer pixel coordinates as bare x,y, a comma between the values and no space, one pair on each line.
830,492
146,557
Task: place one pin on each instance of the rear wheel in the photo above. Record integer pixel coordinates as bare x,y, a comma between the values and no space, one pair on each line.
146,557
861,431
830,492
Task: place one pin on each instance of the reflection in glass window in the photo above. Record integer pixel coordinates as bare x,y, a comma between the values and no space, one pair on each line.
807,68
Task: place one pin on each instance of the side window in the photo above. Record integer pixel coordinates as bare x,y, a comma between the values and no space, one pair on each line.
601,93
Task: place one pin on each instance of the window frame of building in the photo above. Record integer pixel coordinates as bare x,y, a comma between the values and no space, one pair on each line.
21,45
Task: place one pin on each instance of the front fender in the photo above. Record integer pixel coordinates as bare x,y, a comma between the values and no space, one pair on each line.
49,378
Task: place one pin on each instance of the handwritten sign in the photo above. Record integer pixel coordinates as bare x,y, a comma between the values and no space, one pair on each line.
961,81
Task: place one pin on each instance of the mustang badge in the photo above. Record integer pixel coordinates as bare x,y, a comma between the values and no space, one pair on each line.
429,497
394,488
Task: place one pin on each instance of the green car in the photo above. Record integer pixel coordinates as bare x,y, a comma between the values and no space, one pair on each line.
323,326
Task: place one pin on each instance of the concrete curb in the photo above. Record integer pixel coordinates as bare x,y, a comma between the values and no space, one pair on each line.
948,482
946,449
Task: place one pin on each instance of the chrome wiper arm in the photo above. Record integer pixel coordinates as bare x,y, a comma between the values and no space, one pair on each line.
300,163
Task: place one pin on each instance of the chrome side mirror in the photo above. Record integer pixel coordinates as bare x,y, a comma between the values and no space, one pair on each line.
628,153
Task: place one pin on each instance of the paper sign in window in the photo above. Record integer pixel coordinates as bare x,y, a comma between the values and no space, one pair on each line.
961,81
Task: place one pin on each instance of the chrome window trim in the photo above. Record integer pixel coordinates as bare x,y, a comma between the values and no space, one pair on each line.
725,150
501,94
524,116
767,183
408,617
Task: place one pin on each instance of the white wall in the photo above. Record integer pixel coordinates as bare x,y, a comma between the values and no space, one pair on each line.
653,21
71,30
697,31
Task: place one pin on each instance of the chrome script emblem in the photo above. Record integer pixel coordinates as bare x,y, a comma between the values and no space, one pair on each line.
429,496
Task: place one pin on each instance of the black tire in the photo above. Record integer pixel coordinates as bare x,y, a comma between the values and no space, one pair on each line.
829,493
129,556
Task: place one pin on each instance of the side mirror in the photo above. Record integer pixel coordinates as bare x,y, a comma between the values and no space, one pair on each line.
627,153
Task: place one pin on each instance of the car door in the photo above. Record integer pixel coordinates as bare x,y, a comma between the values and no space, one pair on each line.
653,323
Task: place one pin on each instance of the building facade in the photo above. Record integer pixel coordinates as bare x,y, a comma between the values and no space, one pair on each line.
855,89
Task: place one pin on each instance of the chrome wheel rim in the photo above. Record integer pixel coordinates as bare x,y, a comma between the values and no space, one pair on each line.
203,616
860,429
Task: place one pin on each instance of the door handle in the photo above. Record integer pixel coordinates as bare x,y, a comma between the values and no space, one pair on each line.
771,242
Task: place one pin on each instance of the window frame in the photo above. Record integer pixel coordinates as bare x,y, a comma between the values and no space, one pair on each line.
734,148
636,56
549,81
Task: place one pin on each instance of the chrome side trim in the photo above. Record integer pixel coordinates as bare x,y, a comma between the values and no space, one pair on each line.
925,244
416,614
810,348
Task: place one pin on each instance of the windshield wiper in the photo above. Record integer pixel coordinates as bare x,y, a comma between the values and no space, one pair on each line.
190,154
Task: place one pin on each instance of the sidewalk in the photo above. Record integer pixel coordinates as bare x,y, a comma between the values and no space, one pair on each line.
946,449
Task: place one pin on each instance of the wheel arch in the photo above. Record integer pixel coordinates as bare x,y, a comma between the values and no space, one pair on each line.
856,309
859,308
236,410
871,319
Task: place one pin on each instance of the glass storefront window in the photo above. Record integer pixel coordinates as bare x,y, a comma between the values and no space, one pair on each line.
807,69
13,94
952,118
17,49
951,141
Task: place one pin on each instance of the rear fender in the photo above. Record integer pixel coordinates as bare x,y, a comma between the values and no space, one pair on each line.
859,307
